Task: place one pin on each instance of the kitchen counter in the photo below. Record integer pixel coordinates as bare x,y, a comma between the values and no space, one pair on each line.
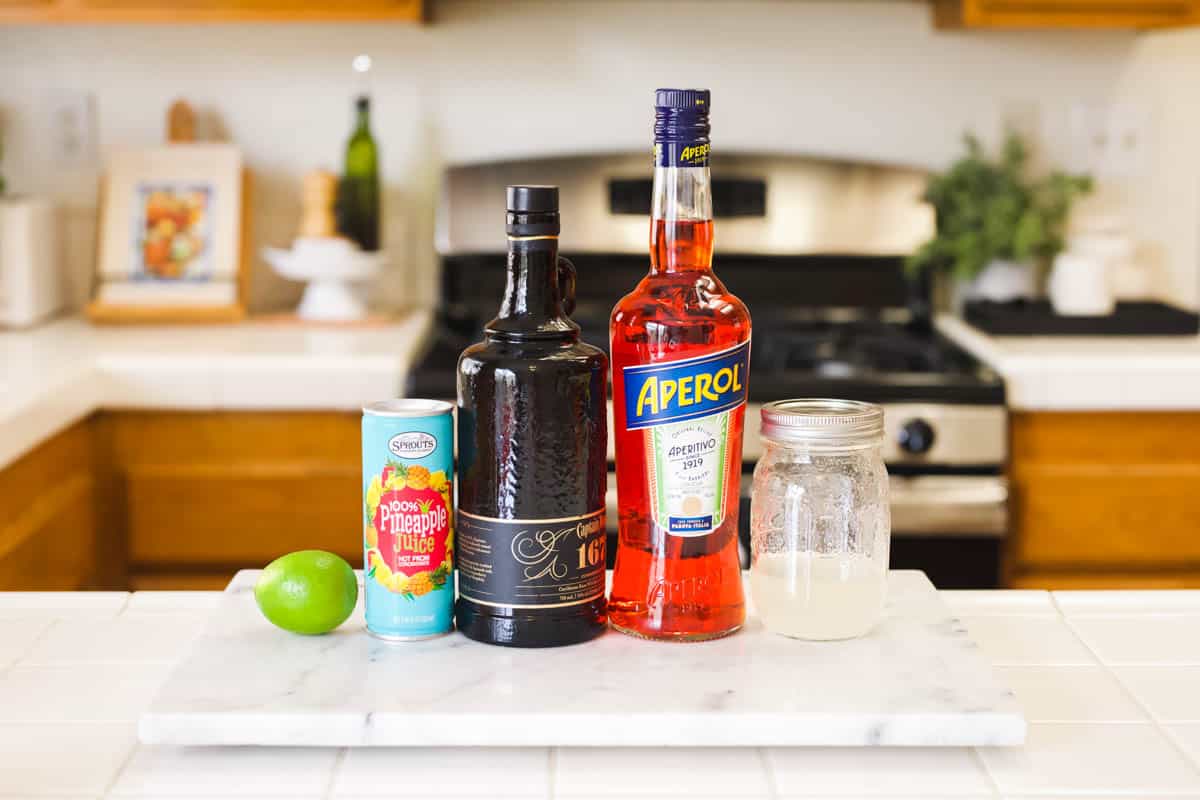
1078,373
1109,681
56,374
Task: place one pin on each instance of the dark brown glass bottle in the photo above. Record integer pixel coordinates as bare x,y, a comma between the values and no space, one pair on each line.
532,441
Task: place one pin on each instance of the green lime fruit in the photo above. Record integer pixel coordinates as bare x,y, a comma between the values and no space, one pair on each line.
309,591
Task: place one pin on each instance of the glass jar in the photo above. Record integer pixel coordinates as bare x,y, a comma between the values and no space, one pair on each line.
820,527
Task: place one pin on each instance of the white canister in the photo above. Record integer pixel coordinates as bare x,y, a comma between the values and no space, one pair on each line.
1079,286
31,281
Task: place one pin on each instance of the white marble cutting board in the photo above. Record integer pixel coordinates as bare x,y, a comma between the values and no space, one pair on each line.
918,679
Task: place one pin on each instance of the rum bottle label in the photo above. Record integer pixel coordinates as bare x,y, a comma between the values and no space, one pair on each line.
546,563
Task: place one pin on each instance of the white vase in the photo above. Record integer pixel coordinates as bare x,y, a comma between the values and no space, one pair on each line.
1002,282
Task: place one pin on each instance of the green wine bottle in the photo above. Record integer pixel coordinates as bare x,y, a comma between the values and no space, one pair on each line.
358,194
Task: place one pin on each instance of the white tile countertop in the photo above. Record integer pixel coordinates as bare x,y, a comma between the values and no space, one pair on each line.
1110,682
1087,373
56,374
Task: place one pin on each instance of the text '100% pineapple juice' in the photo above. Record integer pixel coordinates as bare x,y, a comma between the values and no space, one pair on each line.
408,518
680,359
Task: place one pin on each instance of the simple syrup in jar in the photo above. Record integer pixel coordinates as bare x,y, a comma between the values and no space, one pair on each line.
820,521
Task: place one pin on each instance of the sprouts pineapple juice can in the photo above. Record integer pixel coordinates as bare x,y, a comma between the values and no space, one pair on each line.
408,518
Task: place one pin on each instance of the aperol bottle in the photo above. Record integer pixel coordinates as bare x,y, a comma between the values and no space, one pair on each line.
680,357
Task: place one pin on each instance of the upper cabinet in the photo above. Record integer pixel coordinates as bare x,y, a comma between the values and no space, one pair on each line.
185,11
1031,14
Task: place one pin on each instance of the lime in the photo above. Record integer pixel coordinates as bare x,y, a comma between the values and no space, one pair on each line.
309,591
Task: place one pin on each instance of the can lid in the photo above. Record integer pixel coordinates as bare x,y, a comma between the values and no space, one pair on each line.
408,407
825,420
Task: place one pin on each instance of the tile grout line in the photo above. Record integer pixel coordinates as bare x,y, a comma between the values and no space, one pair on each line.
1003,664
116,778
1154,721
338,760
768,773
551,770
981,763
25,653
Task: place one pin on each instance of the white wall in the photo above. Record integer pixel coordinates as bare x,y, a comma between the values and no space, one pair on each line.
863,79
1163,73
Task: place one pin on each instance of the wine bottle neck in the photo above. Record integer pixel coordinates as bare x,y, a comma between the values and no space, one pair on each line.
681,229
362,121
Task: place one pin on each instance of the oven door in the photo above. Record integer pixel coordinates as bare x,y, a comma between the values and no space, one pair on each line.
952,527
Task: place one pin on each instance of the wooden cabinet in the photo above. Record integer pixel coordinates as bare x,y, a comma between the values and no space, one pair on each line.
1031,14
163,500
47,515
202,495
175,500
187,11
1105,500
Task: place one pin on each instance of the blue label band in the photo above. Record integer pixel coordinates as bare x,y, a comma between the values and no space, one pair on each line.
657,394
689,524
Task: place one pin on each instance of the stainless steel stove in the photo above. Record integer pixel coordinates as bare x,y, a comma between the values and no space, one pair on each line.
815,248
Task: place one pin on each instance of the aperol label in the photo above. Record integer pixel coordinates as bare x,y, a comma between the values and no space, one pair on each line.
684,409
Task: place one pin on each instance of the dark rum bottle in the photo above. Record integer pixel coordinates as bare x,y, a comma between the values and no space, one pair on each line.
532,442
680,353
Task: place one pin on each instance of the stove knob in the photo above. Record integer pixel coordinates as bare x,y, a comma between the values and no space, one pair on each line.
916,436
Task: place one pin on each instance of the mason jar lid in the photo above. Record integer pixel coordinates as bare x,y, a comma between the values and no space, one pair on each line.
823,420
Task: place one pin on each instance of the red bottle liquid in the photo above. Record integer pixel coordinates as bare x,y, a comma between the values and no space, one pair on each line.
680,352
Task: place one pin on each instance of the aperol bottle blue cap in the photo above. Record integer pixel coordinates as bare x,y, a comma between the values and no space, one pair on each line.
681,127
698,99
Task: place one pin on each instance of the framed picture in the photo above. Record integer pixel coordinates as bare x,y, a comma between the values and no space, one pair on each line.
171,235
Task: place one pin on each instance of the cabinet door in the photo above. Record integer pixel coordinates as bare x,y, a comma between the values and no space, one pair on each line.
204,492
1064,13
47,515
1105,499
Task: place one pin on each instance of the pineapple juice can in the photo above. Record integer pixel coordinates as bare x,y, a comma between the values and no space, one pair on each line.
408,518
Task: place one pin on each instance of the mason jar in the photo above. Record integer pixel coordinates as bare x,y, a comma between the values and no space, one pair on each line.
820,526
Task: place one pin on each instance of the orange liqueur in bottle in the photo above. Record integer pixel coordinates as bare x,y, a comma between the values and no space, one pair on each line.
680,353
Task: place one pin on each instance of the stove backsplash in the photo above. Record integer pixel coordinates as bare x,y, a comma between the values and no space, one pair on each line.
776,288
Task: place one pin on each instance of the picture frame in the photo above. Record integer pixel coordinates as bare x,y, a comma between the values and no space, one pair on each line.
172,238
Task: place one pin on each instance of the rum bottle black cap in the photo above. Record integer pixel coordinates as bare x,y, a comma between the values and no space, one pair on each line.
533,199
532,211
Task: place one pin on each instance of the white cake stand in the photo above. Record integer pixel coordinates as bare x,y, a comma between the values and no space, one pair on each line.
331,267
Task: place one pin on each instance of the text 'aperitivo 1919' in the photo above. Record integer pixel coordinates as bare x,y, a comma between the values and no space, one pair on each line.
680,357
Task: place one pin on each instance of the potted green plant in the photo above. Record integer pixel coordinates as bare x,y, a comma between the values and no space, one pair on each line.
996,226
